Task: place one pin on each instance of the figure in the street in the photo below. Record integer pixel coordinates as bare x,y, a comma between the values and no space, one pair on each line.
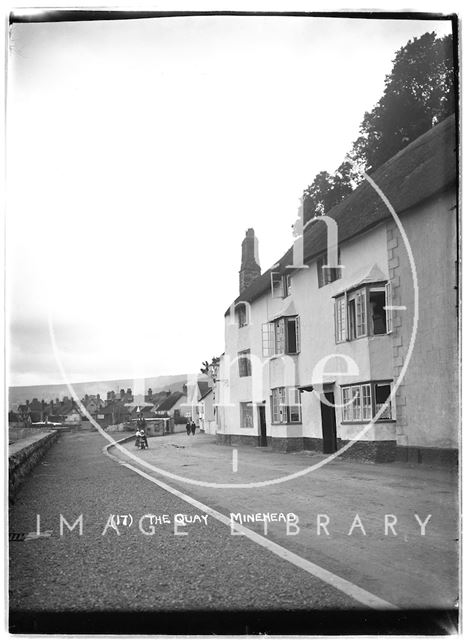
193,426
140,436
188,427
143,440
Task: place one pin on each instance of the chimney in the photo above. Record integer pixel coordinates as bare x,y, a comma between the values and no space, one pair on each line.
250,269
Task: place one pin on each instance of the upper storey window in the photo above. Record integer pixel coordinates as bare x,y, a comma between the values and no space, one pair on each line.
327,275
365,311
281,336
242,315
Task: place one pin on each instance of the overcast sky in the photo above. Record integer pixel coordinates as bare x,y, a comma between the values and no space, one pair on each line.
140,151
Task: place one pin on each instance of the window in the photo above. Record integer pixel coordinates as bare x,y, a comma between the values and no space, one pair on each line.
358,326
357,401
294,405
286,405
242,315
382,394
281,284
246,415
346,400
287,285
277,285
366,311
377,313
327,275
281,336
244,364
366,401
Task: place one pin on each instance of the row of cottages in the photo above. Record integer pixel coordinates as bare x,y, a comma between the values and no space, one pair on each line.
200,404
153,405
355,356
43,412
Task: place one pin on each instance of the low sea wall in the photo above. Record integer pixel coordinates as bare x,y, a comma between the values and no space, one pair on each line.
20,433
24,454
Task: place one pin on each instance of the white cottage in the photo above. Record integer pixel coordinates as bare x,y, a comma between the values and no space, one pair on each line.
352,355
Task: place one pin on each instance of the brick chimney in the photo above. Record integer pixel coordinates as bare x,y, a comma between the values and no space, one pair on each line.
250,269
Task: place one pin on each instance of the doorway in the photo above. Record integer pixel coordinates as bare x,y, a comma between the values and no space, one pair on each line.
262,426
329,425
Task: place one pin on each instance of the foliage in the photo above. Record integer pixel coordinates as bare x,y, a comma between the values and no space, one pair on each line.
210,366
418,94
326,191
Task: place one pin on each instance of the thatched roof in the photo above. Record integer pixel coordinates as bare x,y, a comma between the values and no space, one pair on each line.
423,169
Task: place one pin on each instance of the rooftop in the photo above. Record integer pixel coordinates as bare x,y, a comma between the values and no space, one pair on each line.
170,401
423,169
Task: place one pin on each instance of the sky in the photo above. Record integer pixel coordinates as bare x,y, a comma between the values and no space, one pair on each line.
138,154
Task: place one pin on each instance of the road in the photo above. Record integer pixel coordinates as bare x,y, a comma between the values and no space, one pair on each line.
208,580
408,569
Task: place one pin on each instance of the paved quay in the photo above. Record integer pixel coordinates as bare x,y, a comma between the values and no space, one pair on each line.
209,579
408,569
205,571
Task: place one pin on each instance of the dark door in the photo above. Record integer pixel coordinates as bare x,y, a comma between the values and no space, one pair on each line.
262,427
329,427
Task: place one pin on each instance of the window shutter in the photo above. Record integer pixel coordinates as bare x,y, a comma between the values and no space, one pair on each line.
388,309
268,339
361,313
277,288
340,320
297,333
280,335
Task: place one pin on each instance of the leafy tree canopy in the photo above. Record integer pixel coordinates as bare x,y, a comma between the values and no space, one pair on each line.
418,94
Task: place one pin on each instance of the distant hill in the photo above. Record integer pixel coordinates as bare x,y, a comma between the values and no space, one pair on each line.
19,395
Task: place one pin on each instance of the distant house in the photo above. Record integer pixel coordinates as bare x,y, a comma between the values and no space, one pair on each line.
71,416
112,413
135,410
174,405
206,410
93,404
200,404
158,398
126,396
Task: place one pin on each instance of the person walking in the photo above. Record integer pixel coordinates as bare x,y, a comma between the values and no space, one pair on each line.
193,427
187,426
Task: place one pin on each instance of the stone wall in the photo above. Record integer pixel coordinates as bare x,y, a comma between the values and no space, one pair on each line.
20,433
24,455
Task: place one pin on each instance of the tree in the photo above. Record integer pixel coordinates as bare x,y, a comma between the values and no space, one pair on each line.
418,94
326,191
210,368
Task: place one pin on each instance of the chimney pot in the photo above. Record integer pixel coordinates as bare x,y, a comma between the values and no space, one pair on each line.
250,269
